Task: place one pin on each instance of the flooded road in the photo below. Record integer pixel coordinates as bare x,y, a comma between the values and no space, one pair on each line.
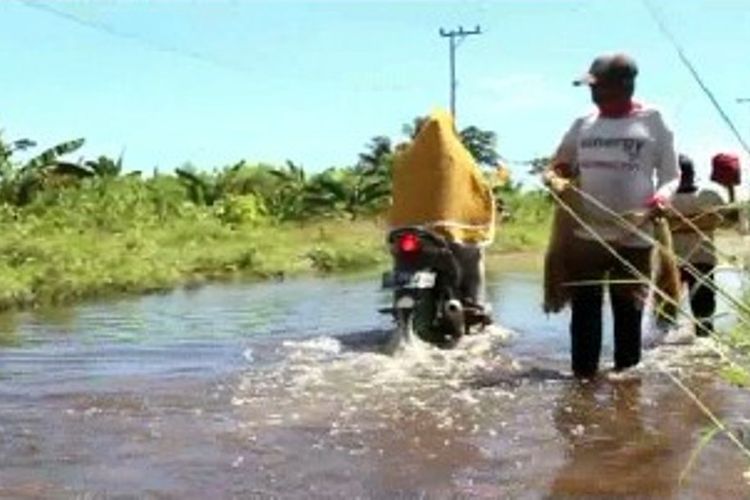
280,390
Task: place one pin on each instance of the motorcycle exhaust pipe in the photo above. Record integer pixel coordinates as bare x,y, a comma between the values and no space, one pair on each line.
453,312
454,309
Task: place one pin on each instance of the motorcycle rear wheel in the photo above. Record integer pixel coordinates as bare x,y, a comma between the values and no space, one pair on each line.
424,319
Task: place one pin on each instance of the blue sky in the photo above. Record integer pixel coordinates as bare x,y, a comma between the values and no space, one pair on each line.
213,82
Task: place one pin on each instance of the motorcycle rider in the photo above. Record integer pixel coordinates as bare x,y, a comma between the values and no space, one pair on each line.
438,185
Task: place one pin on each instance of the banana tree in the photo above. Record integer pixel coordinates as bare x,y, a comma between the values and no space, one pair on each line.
201,189
105,166
378,155
354,192
288,202
43,170
7,167
50,157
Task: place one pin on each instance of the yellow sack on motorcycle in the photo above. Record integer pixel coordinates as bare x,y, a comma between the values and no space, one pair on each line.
438,185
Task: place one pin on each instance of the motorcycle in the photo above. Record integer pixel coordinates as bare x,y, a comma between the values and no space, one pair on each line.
426,280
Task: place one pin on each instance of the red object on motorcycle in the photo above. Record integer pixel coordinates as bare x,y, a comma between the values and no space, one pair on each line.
409,243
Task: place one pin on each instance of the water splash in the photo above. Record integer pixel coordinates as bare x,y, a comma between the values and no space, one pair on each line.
319,380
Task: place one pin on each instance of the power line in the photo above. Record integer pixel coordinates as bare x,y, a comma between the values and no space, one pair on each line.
655,15
150,44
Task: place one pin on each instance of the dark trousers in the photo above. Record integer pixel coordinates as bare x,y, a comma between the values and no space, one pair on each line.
471,261
702,296
594,265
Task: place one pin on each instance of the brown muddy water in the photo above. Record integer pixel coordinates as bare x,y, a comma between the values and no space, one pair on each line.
280,390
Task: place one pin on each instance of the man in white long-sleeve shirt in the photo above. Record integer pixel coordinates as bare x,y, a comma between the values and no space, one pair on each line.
623,156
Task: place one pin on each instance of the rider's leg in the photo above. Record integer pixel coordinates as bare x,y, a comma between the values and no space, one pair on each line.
471,261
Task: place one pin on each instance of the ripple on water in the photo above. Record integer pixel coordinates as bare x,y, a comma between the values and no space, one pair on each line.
474,409
238,409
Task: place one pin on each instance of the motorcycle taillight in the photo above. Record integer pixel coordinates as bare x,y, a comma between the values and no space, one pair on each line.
409,243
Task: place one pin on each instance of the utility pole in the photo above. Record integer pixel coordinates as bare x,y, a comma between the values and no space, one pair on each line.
455,38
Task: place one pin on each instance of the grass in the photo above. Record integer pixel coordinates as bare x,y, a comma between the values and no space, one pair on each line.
126,236
736,376
526,223
41,265
738,340
520,237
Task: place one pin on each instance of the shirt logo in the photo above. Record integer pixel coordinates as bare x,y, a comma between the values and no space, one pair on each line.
630,146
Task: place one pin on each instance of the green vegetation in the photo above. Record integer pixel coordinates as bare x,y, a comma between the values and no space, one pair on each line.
738,340
525,220
736,375
83,229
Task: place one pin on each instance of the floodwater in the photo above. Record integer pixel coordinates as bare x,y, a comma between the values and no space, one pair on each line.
281,390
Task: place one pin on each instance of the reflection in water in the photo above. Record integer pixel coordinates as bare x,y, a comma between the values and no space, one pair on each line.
640,437
611,450
8,331
61,319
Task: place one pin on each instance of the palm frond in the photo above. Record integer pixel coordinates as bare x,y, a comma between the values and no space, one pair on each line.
49,156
